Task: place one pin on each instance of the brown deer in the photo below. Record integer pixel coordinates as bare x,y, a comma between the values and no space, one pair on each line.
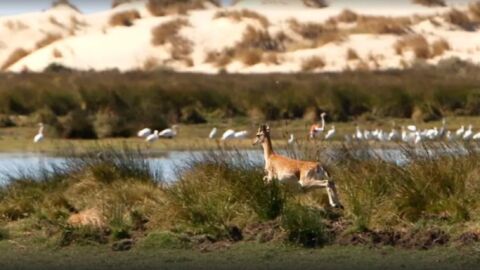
307,174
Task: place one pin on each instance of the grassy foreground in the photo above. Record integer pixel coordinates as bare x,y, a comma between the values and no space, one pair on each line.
418,215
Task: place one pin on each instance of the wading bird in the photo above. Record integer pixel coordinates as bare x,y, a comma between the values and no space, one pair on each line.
229,134
330,133
212,133
316,129
291,140
152,137
308,175
144,133
240,134
469,133
168,133
39,137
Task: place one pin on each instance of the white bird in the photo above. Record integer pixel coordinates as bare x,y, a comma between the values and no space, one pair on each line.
468,134
476,136
412,128
144,133
448,135
460,131
418,138
359,134
393,135
404,134
229,134
291,140
212,133
330,133
240,134
152,137
168,133
39,137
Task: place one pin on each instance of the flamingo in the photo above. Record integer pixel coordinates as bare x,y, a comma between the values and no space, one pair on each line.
152,137
144,133
229,134
169,133
212,133
315,129
468,134
330,133
240,134
39,137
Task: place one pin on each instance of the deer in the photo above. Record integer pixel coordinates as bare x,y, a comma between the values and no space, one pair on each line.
306,174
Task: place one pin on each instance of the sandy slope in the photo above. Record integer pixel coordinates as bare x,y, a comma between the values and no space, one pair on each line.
89,42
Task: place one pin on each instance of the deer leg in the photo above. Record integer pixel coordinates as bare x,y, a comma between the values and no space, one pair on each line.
329,186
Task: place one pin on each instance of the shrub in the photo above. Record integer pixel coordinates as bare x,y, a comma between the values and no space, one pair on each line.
250,57
315,3
416,43
313,63
474,9
460,19
124,18
439,47
238,15
305,226
430,3
14,57
47,40
78,125
347,16
352,54
108,124
167,31
382,25
67,3
116,3
164,7
57,53
319,34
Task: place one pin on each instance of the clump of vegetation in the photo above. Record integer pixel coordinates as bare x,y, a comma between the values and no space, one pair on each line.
315,3
124,18
313,63
460,19
238,15
165,7
418,44
17,55
474,9
169,33
47,40
67,3
352,54
318,34
430,3
439,47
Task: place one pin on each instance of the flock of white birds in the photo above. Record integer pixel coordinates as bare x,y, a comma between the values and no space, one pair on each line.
408,134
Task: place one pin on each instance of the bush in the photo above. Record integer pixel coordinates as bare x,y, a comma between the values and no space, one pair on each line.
439,47
313,63
238,15
14,57
124,18
78,125
109,124
430,3
165,32
305,226
415,43
459,18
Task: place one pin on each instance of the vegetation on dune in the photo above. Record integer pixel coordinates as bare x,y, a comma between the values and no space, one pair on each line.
116,197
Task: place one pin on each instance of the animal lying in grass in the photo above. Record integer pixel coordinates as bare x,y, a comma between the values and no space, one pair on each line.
307,174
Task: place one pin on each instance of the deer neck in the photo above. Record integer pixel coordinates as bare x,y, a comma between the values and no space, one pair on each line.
267,148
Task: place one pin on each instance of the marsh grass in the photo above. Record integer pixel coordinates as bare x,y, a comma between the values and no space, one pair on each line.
431,188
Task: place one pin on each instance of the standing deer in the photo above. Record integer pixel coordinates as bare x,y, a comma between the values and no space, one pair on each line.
307,174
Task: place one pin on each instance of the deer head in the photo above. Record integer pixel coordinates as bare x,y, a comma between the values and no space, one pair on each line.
262,134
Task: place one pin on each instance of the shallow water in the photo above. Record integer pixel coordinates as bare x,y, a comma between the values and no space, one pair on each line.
18,164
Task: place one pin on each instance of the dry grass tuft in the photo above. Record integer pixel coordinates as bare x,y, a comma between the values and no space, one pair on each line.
318,34
474,9
261,39
15,25
250,57
430,3
124,18
416,43
460,19
165,7
382,25
67,3
14,57
439,47
352,54
313,63
315,3
271,58
57,53
47,40
167,31
220,58
347,16
116,3
239,15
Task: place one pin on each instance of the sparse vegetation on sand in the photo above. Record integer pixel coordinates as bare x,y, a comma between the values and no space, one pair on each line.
220,199
430,3
165,7
124,18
